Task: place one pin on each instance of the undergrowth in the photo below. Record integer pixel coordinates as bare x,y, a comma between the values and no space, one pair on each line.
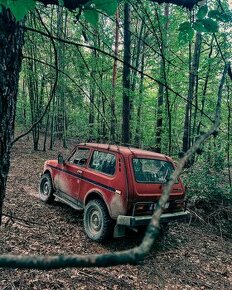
209,192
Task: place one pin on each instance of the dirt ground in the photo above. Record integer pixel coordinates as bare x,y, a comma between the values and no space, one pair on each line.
190,256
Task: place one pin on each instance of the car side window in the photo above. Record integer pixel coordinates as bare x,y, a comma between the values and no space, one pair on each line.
80,156
103,162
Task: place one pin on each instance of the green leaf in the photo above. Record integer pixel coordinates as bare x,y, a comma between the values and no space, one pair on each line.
210,25
226,16
91,15
184,26
220,16
20,8
107,6
198,26
202,12
185,36
214,14
186,33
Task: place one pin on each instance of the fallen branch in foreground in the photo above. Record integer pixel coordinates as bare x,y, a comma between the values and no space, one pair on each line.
133,255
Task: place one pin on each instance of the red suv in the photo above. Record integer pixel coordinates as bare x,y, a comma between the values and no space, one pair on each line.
116,186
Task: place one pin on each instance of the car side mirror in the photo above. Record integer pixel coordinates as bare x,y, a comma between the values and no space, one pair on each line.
60,159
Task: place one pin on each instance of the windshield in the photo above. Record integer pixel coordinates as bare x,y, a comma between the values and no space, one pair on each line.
80,156
152,170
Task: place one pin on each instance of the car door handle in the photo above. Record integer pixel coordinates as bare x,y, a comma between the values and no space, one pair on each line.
79,172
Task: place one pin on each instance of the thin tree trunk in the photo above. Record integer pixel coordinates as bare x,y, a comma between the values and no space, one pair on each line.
137,56
53,104
10,65
64,115
161,88
92,103
114,78
126,76
46,132
24,102
138,131
228,135
205,88
194,64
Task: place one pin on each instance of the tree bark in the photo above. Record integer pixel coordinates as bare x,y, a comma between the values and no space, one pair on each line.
209,67
229,106
163,80
192,85
126,76
11,40
114,79
139,130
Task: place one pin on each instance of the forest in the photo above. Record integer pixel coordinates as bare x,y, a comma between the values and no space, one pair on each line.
149,74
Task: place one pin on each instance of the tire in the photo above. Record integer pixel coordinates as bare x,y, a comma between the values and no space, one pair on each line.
46,189
97,223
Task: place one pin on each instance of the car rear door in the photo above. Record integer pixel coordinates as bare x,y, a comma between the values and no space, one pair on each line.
149,177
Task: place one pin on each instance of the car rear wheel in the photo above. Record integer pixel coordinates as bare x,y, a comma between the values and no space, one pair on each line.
46,189
97,223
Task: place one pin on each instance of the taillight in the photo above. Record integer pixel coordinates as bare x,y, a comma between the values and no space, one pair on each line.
143,208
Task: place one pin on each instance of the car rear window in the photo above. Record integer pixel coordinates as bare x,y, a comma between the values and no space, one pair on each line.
152,170
104,162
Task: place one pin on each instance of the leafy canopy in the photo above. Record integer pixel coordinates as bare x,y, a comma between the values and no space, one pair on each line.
206,21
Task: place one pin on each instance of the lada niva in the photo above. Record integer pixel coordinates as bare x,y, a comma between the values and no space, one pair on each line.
116,186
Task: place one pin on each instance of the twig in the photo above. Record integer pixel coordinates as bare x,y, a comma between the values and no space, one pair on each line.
200,218
13,218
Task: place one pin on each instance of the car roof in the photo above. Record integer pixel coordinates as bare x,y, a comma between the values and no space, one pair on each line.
126,151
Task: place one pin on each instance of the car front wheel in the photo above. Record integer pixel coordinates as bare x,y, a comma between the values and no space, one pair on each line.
97,223
46,189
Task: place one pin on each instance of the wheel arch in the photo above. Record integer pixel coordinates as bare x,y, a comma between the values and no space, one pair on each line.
96,195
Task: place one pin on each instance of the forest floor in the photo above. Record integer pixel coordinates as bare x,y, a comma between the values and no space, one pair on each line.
190,256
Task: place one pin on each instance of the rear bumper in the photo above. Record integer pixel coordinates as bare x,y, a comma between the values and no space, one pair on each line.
134,221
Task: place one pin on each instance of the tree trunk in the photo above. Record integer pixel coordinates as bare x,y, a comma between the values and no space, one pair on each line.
126,76
138,130
229,135
114,78
194,64
11,39
135,81
205,88
163,80
92,99
52,108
